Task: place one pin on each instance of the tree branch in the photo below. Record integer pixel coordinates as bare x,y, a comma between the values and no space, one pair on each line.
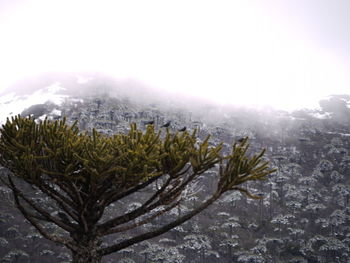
113,196
62,202
69,227
140,223
64,241
159,231
164,198
135,213
82,219
61,183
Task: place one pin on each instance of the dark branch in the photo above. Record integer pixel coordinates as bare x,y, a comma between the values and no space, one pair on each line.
135,213
65,204
64,241
165,197
142,222
159,231
69,227
113,196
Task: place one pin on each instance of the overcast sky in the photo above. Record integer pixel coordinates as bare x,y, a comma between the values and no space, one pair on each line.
282,53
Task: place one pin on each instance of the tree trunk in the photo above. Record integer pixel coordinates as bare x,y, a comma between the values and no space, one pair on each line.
87,251
88,257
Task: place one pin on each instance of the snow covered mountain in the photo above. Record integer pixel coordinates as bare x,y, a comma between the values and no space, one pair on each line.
44,95
13,103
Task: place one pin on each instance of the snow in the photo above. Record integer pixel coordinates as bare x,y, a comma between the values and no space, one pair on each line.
43,117
339,133
323,115
56,112
12,104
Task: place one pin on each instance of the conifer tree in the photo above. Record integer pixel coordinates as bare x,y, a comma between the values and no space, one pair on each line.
84,174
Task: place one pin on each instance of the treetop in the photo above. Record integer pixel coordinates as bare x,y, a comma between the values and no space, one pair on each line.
53,151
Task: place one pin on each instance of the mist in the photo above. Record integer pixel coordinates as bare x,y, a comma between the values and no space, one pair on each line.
286,55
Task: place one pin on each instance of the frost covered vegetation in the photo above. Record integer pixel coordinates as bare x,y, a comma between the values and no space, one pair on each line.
303,217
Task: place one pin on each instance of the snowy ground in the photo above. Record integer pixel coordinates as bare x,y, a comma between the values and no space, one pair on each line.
12,104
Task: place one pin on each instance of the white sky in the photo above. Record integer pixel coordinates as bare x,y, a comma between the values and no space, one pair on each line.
286,54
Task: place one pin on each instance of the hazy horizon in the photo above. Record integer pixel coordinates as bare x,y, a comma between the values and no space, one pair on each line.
283,54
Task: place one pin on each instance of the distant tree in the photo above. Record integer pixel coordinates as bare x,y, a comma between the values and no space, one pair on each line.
157,253
84,174
247,257
16,255
196,245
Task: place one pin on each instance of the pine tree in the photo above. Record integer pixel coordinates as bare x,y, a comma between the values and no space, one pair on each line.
84,174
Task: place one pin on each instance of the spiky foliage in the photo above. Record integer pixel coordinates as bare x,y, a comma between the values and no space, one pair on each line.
84,174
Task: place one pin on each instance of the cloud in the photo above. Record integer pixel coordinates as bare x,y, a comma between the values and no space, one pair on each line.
227,51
